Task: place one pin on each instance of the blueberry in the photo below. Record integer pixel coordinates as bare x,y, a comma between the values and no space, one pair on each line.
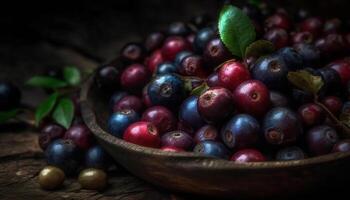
331,79
272,71
282,126
97,157
212,148
166,68
63,154
189,113
321,139
10,96
178,29
166,90
116,97
290,153
241,131
310,54
202,38
120,120
292,58
180,56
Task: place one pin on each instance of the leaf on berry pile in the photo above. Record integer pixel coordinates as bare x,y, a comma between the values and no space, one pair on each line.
259,48
72,75
191,82
306,81
200,89
236,30
64,112
7,115
46,82
45,108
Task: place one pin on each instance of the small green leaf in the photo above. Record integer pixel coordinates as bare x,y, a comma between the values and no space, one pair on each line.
190,82
236,30
46,82
7,115
64,112
72,75
200,89
45,108
259,48
306,81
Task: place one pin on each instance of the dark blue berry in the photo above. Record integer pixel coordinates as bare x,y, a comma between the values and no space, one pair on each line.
203,36
321,139
178,29
180,56
212,148
97,157
310,54
292,58
290,153
120,120
189,113
166,68
116,97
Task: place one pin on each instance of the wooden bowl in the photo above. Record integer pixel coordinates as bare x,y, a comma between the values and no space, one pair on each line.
195,174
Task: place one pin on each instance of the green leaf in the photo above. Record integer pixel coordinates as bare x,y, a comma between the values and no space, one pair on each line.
46,82
7,115
259,48
45,108
190,82
72,75
236,30
200,89
306,81
64,112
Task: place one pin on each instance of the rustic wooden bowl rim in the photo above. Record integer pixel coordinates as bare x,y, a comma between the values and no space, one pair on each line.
89,118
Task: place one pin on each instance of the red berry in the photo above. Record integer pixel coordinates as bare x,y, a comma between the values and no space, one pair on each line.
216,53
174,45
333,103
50,133
178,139
278,21
314,25
205,133
252,97
302,37
343,69
80,135
233,73
161,117
279,37
311,114
193,65
154,41
248,155
133,52
331,45
171,149
142,133
129,103
154,60
135,77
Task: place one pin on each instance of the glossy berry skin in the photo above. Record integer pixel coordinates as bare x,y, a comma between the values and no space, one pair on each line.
311,114
97,157
278,99
10,96
330,78
233,73
216,53
290,153
166,90
189,114
166,68
80,135
143,134
129,102
120,120
50,133
278,21
178,29
272,71
132,52
313,25
292,58
154,60
212,149
310,54
281,126
302,37
135,77
154,41
116,96
213,80
63,154
207,132
178,139
334,104
202,38
171,149
92,179
247,156
51,178
215,105
252,97
107,78
279,37
342,146
342,67
321,139
193,65
242,131
180,56
174,45
161,117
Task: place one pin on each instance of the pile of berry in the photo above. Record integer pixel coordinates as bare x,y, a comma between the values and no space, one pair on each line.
182,90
